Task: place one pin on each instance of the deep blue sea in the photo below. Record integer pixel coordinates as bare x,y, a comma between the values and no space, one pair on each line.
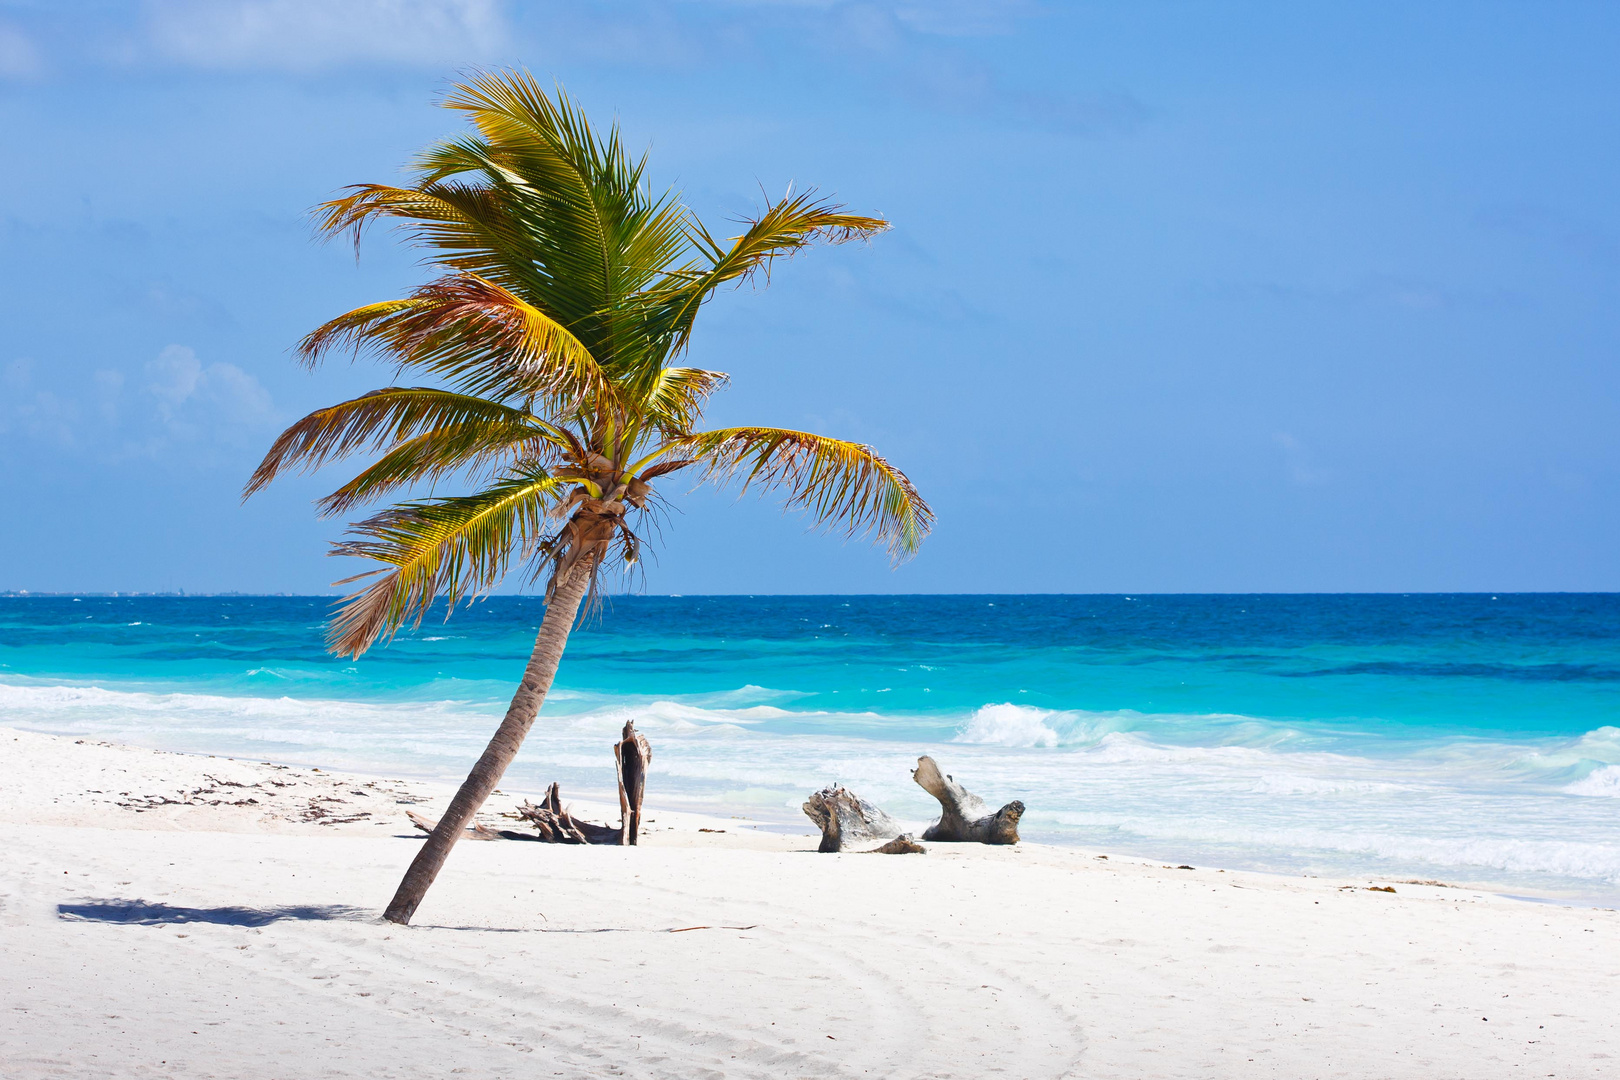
1468,738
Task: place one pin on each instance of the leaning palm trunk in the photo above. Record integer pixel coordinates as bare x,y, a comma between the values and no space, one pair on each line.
564,292
531,694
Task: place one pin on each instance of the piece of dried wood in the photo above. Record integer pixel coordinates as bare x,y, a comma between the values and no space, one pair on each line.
903,844
846,820
964,817
474,831
556,825
631,756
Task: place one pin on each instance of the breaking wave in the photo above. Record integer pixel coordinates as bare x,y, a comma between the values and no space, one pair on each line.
1222,788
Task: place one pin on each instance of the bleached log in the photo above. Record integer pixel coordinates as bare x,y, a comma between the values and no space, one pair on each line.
631,757
964,817
846,820
474,831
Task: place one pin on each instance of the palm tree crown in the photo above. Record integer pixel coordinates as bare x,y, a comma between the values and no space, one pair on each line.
564,291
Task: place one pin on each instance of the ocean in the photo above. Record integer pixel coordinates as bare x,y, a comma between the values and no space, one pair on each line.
1466,738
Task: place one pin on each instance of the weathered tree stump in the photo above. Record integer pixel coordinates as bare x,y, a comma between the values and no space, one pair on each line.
964,817
631,756
846,820
557,826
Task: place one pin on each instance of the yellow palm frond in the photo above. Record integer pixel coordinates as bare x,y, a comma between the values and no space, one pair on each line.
459,546
480,335
843,485
426,209
471,450
383,418
675,401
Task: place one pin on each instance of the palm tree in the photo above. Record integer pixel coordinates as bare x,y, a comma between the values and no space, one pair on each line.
564,291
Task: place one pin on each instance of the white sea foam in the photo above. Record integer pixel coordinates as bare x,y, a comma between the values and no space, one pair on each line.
1603,783
1231,789
1013,725
93,702
1296,784
1009,725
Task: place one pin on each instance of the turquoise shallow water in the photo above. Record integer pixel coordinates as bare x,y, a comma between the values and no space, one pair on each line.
1461,737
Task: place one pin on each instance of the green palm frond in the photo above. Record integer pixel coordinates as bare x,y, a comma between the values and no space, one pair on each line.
460,547
470,449
381,419
675,402
481,336
843,485
593,233
795,222
470,226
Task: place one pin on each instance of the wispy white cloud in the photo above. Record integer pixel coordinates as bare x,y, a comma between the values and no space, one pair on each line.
662,34
172,378
896,44
20,58
313,34
963,18
218,396
911,50
29,409
950,18
181,408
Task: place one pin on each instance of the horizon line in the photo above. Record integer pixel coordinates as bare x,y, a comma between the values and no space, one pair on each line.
121,594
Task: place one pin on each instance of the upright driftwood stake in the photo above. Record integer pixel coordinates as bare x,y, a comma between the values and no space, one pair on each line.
963,815
631,756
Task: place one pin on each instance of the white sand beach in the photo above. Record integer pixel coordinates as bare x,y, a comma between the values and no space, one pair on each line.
166,915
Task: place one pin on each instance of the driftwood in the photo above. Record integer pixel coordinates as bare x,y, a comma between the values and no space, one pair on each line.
900,845
964,817
846,820
557,826
475,831
631,756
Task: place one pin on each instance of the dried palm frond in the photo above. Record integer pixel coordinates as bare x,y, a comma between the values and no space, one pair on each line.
842,484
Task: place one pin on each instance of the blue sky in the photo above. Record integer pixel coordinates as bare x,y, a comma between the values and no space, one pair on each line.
1179,297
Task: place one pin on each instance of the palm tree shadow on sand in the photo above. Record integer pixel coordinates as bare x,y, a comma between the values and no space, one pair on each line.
145,913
